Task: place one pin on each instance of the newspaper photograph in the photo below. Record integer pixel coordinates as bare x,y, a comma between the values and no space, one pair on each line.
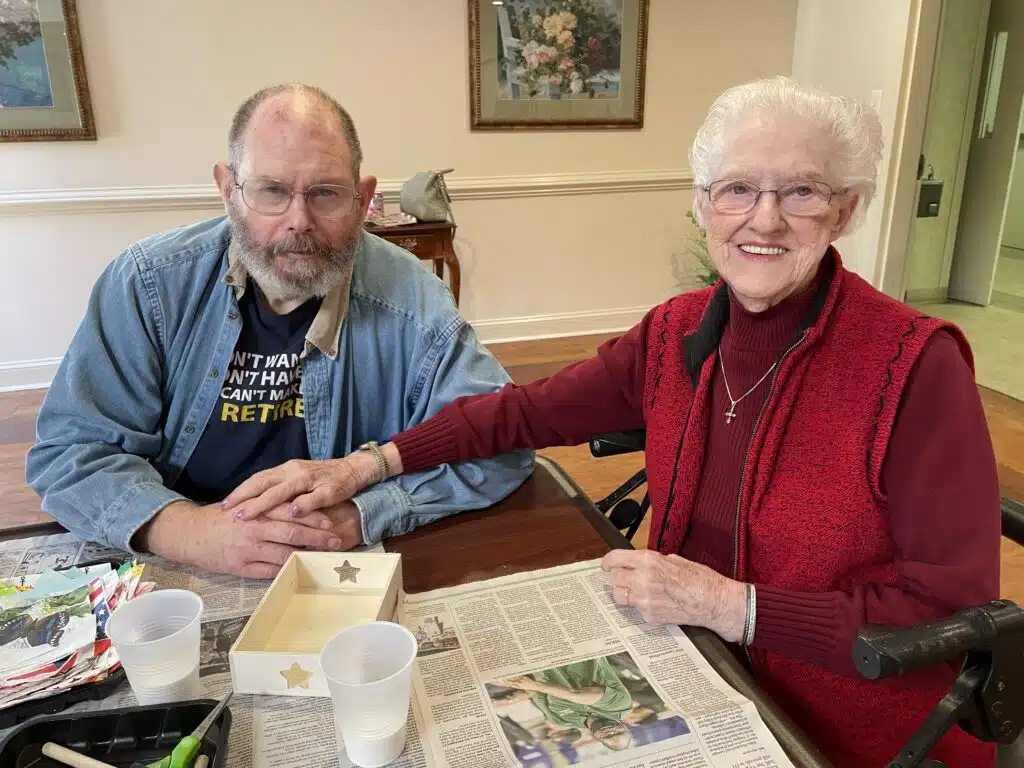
531,670
582,710
44,631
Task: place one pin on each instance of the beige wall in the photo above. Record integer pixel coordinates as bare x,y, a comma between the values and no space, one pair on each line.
165,78
857,49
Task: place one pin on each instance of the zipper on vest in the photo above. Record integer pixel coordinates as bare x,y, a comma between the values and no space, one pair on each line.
743,474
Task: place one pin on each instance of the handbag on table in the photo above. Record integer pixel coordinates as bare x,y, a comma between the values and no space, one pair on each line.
426,197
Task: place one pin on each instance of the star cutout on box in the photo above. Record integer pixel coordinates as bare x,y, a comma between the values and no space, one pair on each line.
296,676
347,572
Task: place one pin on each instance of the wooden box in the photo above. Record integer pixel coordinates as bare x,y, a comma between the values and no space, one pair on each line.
314,596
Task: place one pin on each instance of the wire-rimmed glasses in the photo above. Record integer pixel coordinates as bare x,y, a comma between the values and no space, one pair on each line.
800,198
272,197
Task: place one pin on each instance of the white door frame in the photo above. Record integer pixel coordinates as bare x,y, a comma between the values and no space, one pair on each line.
907,143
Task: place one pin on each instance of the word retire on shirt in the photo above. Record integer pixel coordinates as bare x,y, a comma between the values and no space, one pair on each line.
262,412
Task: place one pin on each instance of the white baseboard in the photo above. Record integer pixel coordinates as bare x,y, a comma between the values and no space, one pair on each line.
37,374
924,295
27,374
557,325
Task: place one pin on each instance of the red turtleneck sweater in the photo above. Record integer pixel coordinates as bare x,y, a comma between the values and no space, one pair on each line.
940,434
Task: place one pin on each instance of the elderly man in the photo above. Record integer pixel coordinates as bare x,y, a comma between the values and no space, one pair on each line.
281,334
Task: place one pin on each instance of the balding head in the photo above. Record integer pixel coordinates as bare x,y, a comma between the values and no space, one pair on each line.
291,103
293,193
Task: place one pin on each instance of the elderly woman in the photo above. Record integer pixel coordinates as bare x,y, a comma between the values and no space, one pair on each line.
817,454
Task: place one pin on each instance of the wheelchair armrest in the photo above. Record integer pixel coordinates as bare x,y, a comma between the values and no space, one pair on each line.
614,443
1013,520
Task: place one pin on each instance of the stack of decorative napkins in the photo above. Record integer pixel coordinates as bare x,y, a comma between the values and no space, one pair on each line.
53,628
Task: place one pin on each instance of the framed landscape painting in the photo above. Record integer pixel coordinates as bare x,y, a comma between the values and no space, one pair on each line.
557,64
44,95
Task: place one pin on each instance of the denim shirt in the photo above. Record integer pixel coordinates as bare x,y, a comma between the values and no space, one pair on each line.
143,373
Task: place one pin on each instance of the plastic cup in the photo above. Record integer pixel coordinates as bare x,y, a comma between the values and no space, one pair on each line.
156,637
368,668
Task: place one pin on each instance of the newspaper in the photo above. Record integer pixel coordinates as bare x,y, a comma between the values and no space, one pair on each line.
533,669
544,669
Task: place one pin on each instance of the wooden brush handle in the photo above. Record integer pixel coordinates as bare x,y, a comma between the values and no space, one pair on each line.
72,758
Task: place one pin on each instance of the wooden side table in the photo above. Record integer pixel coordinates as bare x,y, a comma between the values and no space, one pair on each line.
429,241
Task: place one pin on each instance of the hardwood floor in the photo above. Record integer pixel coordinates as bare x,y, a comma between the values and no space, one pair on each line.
19,504
528,361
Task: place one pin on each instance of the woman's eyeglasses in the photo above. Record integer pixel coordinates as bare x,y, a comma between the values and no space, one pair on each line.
801,198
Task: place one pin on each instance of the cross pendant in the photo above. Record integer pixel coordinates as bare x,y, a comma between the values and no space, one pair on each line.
730,414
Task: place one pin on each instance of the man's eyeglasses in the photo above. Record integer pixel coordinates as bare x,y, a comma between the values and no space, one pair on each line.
801,198
272,198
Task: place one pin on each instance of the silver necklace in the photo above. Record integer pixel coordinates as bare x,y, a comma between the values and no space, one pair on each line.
731,413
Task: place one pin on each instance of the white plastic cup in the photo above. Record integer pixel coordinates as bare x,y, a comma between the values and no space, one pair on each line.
368,668
156,637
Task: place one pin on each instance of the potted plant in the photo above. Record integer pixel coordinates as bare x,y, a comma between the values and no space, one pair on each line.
693,268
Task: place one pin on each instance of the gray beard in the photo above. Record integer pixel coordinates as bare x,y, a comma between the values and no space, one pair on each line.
315,276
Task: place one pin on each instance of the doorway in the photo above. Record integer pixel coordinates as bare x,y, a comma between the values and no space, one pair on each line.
965,252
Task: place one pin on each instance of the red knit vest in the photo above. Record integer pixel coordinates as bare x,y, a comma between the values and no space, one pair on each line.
811,514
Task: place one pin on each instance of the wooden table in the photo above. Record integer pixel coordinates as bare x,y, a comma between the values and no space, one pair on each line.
430,241
548,521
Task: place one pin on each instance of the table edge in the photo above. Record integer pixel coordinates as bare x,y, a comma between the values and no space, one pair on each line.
33,529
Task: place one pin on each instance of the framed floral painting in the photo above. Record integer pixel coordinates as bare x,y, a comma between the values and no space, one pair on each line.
557,64
44,95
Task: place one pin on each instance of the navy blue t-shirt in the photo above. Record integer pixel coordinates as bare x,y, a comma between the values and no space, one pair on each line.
258,422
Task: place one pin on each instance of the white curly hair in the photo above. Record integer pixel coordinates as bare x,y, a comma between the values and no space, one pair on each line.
854,127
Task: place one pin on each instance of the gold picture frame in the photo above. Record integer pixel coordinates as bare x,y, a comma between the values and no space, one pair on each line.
44,93
557,64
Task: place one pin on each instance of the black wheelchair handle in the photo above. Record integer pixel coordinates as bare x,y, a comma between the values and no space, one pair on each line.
881,652
1013,520
615,443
